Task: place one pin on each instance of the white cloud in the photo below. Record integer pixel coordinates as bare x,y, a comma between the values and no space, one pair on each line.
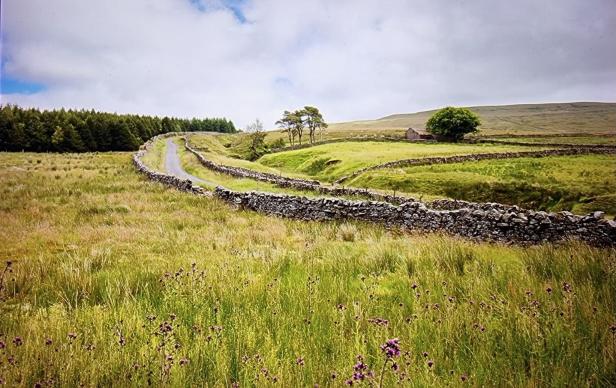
353,59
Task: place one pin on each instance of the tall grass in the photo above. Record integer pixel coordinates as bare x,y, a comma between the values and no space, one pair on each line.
119,281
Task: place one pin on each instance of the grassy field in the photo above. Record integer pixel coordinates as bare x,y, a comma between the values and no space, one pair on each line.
117,280
329,162
578,183
605,139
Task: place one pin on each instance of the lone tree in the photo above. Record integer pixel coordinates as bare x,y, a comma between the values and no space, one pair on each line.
453,123
257,139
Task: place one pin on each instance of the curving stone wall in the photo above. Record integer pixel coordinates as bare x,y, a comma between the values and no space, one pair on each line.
488,224
485,222
294,183
476,157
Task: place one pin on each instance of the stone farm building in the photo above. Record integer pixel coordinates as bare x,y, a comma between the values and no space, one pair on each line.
418,134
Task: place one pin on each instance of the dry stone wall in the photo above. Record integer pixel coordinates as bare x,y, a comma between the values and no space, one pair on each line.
294,183
166,179
484,222
477,157
492,223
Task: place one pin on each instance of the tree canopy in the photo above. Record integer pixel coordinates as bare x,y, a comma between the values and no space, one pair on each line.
82,130
453,123
293,123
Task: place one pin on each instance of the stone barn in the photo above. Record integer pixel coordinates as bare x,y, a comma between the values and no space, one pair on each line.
418,134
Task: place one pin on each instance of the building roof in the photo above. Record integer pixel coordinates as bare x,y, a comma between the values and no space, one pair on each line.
420,131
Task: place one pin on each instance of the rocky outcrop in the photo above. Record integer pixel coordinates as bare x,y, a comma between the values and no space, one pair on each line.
489,223
477,157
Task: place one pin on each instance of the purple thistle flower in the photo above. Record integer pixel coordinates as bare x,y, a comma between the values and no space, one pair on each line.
17,341
391,348
425,354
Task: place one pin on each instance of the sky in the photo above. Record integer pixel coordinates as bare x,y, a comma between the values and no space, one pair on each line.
353,59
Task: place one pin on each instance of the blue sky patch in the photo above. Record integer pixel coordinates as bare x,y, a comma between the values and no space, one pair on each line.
9,85
234,6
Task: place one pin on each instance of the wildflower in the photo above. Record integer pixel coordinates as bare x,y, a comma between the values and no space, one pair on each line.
172,317
395,367
333,375
165,327
151,317
430,363
340,307
349,382
184,361
48,341
379,321
274,379
414,286
2,345
72,336
300,361
464,377
391,348
548,290
17,341
425,354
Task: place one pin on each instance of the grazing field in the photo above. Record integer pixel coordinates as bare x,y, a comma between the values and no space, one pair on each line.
329,162
605,139
577,183
113,280
558,118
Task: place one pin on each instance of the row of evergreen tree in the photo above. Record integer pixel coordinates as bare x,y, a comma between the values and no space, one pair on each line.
83,131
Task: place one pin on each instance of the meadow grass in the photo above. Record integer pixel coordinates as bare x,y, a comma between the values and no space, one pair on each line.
579,183
155,157
115,280
329,162
582,140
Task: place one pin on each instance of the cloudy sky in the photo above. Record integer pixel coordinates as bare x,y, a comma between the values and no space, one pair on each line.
354,59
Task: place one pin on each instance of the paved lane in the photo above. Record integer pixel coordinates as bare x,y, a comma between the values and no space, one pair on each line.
173,165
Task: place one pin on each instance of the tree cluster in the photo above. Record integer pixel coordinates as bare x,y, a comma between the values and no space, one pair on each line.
85,131
294,123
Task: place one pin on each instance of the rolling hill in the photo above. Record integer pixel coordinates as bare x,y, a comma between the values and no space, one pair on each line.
522,119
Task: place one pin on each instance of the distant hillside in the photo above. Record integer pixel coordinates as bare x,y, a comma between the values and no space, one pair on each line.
576,117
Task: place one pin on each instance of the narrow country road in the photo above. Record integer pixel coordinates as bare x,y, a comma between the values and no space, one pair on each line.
173,165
